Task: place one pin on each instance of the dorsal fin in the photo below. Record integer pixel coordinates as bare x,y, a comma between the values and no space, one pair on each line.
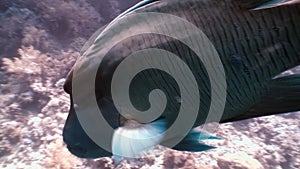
264,4
138,5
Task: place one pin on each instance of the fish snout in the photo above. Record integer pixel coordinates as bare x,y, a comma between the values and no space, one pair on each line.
73,140
80,145
77,140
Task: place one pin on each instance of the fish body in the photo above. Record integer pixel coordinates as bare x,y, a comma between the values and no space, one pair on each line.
256,41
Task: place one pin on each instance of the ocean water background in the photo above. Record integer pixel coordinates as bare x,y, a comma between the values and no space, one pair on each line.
40,41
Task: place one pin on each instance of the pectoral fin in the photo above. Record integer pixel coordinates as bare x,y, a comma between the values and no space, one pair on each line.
132,142
192,142
282,96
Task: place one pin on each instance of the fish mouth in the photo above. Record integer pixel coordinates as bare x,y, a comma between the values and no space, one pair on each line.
93,153
78,151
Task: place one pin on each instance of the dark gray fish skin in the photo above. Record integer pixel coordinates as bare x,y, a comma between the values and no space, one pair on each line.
254,46
266,43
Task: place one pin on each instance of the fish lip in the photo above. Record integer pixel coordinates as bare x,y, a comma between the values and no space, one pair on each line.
81,152
78,151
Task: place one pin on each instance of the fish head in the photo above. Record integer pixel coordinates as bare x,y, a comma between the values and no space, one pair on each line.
77,140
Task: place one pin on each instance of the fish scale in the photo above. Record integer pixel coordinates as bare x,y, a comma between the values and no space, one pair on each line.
260,32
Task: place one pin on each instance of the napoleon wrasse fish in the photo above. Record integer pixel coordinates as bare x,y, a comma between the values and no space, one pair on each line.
255,39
